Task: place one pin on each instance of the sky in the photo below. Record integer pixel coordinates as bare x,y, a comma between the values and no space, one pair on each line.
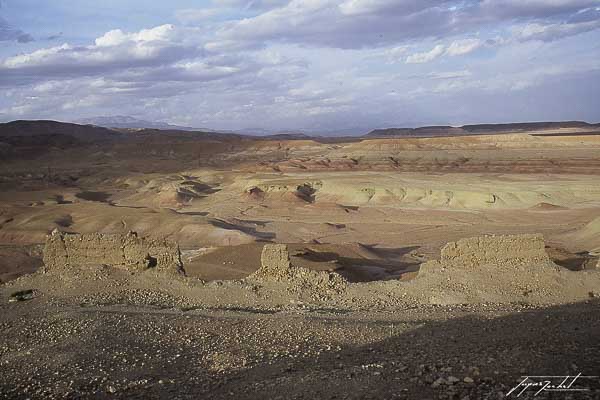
312,65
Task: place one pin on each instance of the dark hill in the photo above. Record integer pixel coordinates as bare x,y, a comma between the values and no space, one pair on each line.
527,126
82,133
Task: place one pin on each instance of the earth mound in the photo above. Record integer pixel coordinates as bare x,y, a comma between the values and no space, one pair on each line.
128,251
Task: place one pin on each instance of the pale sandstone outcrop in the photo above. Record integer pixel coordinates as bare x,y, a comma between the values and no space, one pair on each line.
129,251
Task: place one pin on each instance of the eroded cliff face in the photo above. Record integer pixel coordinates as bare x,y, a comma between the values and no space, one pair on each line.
127,251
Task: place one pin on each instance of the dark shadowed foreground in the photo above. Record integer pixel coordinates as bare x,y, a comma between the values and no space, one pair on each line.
125,352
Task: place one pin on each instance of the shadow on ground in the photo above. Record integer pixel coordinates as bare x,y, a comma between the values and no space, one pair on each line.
389,263
494,351
561,340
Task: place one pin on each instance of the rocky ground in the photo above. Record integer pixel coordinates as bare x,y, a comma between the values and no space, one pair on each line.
416,352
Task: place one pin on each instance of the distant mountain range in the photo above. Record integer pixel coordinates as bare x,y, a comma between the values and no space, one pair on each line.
127,122
481,129
36,132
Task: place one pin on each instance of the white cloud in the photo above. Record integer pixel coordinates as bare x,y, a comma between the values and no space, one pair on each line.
113,48
363,7
357,7
552,32
163,34
34,58
112,52
456,48
251,4
428,56
462,47
350,24
533,8
205,71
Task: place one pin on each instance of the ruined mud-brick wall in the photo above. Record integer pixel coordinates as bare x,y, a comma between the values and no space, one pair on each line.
130,251
496,250
275,262
276,266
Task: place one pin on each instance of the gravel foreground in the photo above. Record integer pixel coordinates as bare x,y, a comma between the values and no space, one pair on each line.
70,351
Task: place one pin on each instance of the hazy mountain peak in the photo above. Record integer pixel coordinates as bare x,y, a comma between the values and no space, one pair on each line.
126,121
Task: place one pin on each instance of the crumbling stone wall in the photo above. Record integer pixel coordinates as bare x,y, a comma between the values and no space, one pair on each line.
129,251
496,250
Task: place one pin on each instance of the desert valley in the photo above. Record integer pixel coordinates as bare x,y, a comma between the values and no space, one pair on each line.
436,262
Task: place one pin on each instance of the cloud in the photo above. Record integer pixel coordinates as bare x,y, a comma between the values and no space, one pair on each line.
463,46
456,48
395,54
350,24
251,4
552,32
533,8
316,64
160,35
366,23
112,52
10,33
55,36
585,15
362,7
419,58
151,68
